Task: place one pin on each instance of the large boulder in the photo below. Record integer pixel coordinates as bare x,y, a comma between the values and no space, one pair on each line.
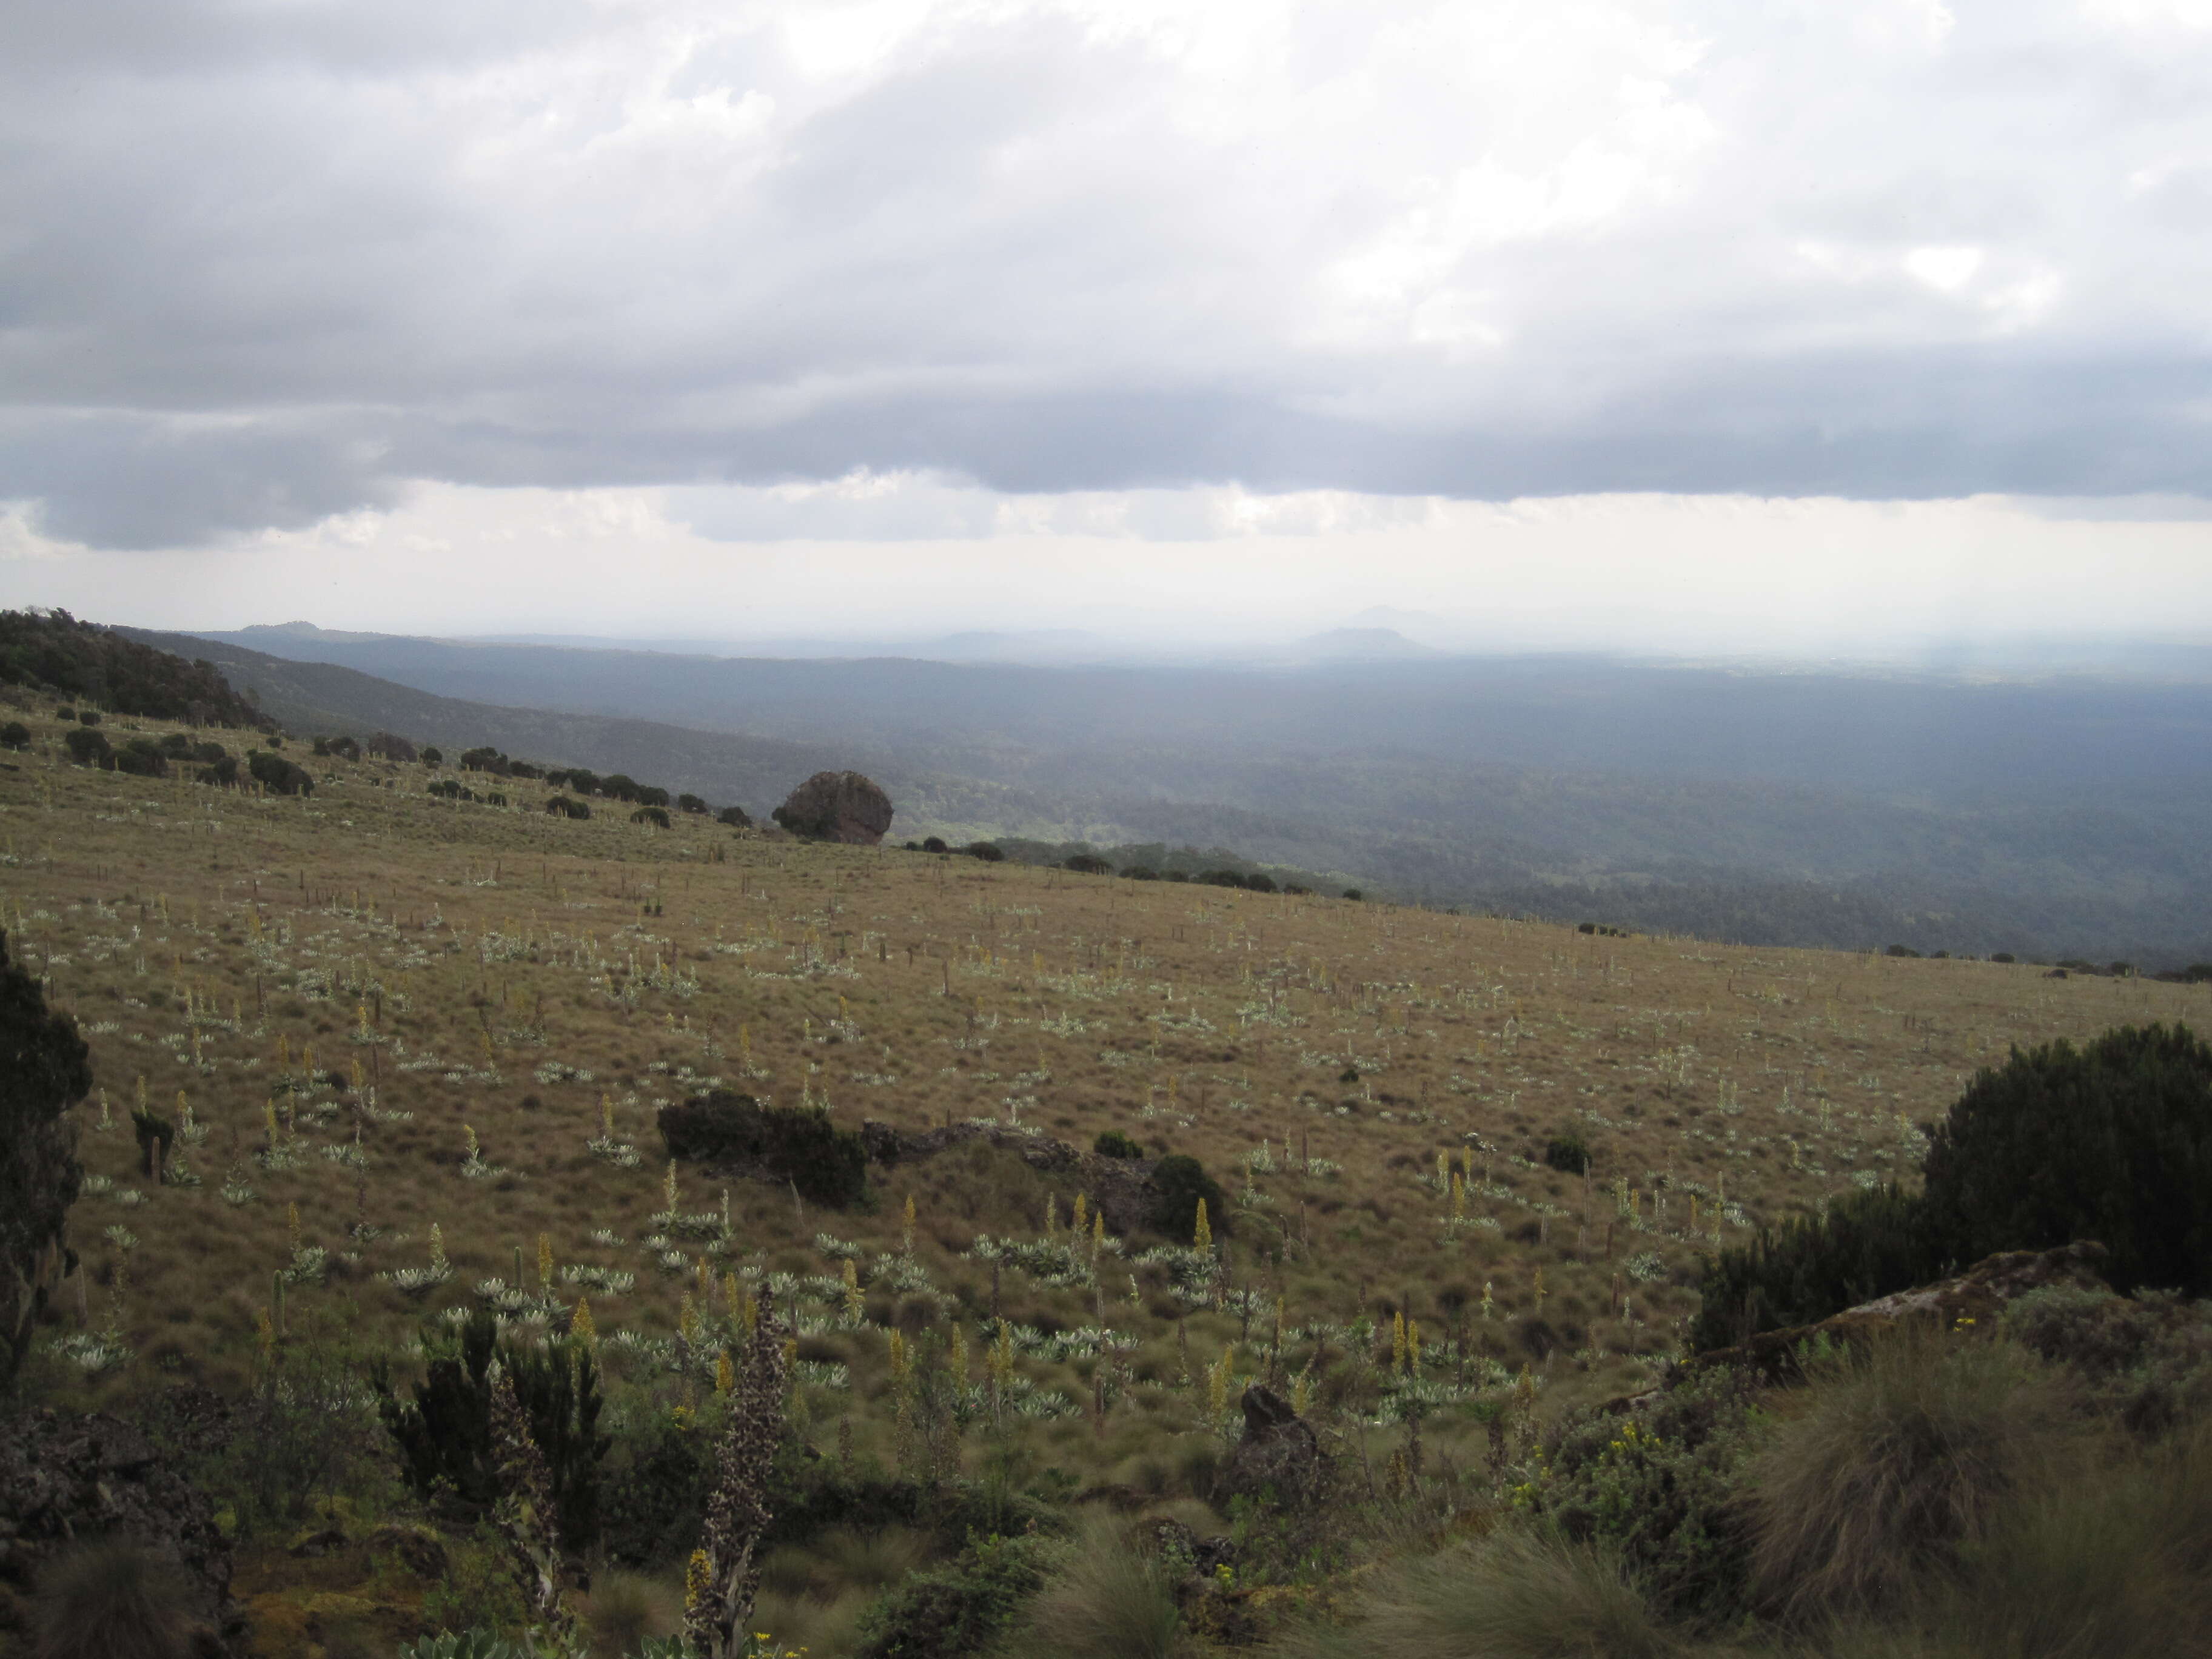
841,806
68,1480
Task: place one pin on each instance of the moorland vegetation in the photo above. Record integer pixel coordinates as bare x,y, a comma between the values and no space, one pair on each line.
1209,1267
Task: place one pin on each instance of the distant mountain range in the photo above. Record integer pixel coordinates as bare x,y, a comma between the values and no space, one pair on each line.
2065,816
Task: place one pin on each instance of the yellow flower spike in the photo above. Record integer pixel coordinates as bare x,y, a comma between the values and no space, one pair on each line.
668,1186
545,1262
854,1303
730,1301
959,1356
687,1318
1202,1235
581,1329
1081,1219
698,1573
902,1366
906,1227
291,1215
725,1377
1398,1341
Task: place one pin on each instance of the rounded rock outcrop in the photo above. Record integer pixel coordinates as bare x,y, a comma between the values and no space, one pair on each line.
840,806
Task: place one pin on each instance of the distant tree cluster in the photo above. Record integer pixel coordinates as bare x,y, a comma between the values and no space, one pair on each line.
56,653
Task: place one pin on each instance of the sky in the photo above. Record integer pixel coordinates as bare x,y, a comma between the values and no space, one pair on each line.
1676,325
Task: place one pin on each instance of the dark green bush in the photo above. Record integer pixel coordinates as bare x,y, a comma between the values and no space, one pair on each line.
657,1489
141,757
1568,1152
278,775
1141,872
655,816
2112,1141
14,735
1867,1245
88,716
1088,863
86,748
934,844
1179,1181
959,1609
989,852
1112,1143
561,806
692,804
736,817
2145,1360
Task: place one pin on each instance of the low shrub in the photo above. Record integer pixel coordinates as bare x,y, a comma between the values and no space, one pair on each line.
989,852
1659,1489
692,804
1112,1143
2144,1360
735,816
14,735
1088,863
657,817
1567,1152
86,748
278,775
959,1609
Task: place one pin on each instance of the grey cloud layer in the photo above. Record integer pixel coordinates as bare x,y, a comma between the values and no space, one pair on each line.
260,263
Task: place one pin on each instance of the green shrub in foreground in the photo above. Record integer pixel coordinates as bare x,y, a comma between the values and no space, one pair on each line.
2110,1141
1864,1245
959,1609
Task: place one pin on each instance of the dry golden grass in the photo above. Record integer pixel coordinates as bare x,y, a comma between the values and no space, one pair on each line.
457,968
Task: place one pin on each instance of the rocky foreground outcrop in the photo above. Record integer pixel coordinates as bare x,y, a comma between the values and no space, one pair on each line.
67,1480
841,806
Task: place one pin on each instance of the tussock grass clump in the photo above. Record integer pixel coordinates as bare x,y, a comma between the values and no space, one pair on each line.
1518,1594
2109,1558
109,1600
1899,1455
1112,1599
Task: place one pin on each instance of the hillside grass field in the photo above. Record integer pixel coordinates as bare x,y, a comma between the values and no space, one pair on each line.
415,1046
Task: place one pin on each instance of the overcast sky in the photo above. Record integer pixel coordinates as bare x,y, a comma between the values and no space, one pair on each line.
1647,324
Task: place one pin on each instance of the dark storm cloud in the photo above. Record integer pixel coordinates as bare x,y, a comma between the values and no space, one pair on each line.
261,263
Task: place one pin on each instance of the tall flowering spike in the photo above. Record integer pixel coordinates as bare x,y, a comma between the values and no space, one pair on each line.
687,1319
1051,1214
1444,1168
1398,1341
292,1216
906,1226
723,1576
437,1248
525,1514
726,1375
476,1153
606,1115
668,1186
581,1330
731,1303
1202,1235
1081,1220
703,1282
544,1261
959,1359
853,1303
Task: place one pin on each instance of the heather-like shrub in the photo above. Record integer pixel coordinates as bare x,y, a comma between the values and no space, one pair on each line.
2110,1141
655,816
960,1609
86,748
1112,1143
826,1164
14,735
1864,1245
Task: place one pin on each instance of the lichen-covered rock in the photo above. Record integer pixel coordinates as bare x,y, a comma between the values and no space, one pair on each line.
842,806
1279,1456
66,1480
1973,1299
